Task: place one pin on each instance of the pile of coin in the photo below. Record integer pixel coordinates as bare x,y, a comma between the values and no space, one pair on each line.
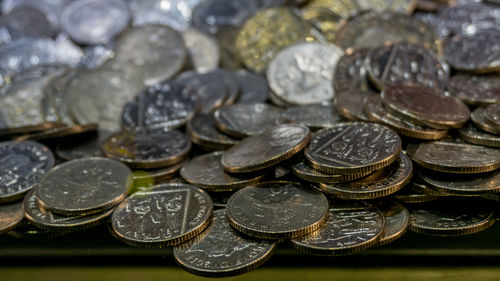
227,129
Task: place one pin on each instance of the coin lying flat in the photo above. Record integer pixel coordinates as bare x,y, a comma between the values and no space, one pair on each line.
454,157
11,215
147,150
462,184
478,118
397,218
160,107
475,89
353,148
314,116
84,186
210,91
253,87
302,73
350,72
213,15
425,106
28,231
220,251
405,63
202,131
476,136
492,115
350,228
267,149
303,171
59,133
163,215
348,7
75,148
277,210
477,53
22,166
243,120
351,104
443,220
149,178
206,172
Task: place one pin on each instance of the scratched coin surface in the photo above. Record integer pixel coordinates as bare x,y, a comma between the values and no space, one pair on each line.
473,135
475,89
350,72
350,228
147,150
267,149
84,186
454,157
206,172
478,118
277,210
314,116
163,215
425,106
247,119
160,107
462,184
353,148
22,166
11,215
492,115
397,218
405,63
202,131
302,73
208,87
448,220
221,251
253,87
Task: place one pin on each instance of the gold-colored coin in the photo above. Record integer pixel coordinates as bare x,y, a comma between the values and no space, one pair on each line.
351,7
326,21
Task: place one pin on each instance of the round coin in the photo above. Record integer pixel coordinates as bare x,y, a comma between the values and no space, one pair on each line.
350,72
220,251
213,15
475,89
203,50
351,104
253,87
303,171
353,148
202,131
75,148
153,177
397,218
350,228
163,215
231,83
492,115
210,91
267,149
25,21
454,157
475,136
277,210
462,184
11,215
177,14
478,118
314,116
468,19
84,186
22,166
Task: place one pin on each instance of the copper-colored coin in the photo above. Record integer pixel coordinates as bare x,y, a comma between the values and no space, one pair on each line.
202,131
425,106
11,215
397,218
492,115
353,148
267,149
478,118
462,184
302,170
277,210
476,136
475,89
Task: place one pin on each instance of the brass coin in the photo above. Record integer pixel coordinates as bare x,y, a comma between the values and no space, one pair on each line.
475,136
206,172
202,131
147,150
425,106
375,110
314,116
153,177
303,171
11,215
454,157
479,90
397,218
350,228
220,251
462,184
350,7
326,21
391,179
267,32
478,118
405,63
267,149
248,119
350,104
350,72
446,220
84,186
277,210
492,115
353,148
163,215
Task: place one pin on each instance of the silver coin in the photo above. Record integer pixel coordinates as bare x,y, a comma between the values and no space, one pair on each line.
95,21
210,91
54,103
202,131
469,18
51,8
24,21
203,50
253,87
231,83
475,89
474,135
95,56
212,15
11,215
302,73
479,120
174,13
350,72
478,53
314,116
153,52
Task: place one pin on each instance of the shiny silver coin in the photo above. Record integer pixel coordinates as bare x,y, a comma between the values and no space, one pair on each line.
174,13
203,50
25,21
212,15
210,91
314,116
253,87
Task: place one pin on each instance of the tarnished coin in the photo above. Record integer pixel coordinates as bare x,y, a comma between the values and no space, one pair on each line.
28,231
426,106
202,131
153,53
462,184
94,21
454,157
397,218
246,119
22,166
374,109
303,171
160,107
302,73
25,21
253,87
213,15
353,148
478,118
351,104
203,50
177,14
84,186
147,150
448,220
492,115
475,89
210,90
267,32
231,83
350,228
479,53
220,251
473,135
75,148
267,149
350,72
206,171
45,219
405,63
163,215
391,179
11,215
468,19
277,210
314,116
144,179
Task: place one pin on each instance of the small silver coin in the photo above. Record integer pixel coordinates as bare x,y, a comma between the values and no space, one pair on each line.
202,131
203,50
478,53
